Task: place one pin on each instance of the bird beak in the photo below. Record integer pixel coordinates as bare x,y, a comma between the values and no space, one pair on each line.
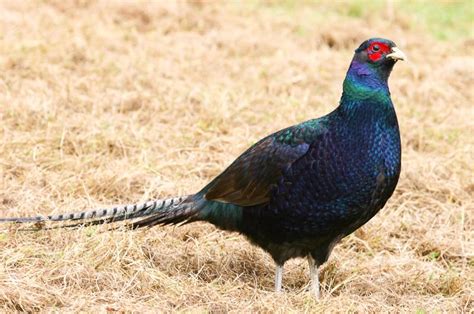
397,54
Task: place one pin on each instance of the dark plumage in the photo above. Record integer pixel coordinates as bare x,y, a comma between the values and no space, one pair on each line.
297,192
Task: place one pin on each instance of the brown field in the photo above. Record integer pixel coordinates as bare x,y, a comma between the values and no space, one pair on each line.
105,103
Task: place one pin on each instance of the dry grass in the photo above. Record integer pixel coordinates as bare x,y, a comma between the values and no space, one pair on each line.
104,103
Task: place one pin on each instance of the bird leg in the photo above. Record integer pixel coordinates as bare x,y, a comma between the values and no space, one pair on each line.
314,276
278,277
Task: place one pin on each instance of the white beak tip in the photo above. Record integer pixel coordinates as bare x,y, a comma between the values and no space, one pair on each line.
397,54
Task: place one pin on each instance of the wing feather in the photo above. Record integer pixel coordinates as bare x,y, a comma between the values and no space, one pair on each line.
249,179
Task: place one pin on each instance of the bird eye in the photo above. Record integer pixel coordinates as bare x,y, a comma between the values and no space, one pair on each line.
376,48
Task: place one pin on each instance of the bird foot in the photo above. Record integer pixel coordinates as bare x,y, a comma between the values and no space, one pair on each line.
313,291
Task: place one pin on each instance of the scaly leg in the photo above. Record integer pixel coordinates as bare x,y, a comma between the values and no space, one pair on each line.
278,277
314,276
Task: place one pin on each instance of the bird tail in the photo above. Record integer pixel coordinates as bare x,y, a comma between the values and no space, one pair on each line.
163,211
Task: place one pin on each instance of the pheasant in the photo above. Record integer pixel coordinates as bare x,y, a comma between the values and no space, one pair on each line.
299,191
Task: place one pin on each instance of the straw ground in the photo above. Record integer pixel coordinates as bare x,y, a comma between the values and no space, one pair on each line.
106,103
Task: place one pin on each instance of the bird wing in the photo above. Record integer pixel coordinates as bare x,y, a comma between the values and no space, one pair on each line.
250,178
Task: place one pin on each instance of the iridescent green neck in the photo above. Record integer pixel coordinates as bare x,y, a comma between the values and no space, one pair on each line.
356,89
365,84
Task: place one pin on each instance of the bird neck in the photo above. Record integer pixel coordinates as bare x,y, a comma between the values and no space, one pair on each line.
365,90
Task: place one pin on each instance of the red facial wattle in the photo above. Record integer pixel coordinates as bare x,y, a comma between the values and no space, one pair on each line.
376,50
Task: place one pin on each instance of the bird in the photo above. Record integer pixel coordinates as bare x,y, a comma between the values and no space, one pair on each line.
297,192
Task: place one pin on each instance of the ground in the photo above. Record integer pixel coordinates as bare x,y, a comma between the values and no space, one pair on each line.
104,103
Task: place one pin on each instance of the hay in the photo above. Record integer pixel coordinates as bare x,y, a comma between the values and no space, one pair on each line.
106,103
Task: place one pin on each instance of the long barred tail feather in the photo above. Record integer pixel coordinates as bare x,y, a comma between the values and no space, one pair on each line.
175,209
185,213
102,221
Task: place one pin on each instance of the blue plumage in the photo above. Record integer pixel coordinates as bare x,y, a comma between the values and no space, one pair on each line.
312,184
298,191
304,188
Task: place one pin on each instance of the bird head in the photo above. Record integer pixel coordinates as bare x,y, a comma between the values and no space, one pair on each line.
379,51
376,56
371,66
